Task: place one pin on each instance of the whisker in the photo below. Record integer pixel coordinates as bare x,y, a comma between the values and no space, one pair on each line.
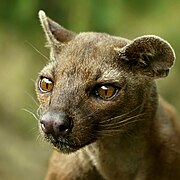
91,113
26,110
32,98
123,124
37,50
121,116
33,130
101,134
40,139
78,141
38,111
33,80
120,122
88,115
117,130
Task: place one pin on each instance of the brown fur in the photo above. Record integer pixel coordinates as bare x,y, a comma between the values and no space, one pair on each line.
133,136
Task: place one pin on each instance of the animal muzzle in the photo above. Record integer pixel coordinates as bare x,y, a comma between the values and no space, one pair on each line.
56,123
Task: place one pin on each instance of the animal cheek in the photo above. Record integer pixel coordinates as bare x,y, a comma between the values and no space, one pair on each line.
84,130
44,99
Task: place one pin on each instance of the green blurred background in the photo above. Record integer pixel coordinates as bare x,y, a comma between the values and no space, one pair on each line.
23,155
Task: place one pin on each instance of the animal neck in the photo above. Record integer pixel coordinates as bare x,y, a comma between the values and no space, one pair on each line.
126,155
119,156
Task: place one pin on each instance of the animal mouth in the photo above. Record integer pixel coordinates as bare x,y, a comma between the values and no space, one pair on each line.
65,145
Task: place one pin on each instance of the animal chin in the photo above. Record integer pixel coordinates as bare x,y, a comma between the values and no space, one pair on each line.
65,147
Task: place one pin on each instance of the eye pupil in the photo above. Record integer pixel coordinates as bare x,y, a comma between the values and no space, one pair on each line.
45,85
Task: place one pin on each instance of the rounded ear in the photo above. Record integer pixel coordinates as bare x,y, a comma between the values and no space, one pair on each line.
55,34
148,55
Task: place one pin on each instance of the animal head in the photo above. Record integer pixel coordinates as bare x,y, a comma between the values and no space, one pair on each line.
96,85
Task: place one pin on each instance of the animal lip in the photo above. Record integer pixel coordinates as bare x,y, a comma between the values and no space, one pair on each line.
66,144
66,147
63,144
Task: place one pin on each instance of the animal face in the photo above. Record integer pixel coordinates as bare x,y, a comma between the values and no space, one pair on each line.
96,85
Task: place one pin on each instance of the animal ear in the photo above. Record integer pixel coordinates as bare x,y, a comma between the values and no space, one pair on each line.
148,55
55,33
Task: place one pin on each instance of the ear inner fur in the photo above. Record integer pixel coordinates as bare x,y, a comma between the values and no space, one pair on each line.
150,54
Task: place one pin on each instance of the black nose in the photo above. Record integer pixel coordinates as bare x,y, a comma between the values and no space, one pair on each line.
56,123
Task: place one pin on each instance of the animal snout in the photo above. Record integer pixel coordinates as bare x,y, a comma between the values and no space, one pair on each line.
56,123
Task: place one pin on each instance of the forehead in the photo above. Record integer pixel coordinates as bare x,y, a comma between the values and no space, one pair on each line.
89,54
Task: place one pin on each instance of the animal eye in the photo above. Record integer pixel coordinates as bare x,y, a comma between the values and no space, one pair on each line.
106,92
45,85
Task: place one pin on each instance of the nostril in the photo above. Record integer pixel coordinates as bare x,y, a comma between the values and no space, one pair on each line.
63,126
46,126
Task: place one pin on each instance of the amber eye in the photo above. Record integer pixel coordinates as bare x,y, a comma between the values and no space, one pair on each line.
45,85
106,92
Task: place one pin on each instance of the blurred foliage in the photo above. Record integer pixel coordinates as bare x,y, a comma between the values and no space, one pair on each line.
22,156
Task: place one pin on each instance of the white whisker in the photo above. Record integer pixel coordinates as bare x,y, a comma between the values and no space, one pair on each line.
33,80
120,122
37,50
117,129
38,111
123,115
30,113
32,98
123,124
